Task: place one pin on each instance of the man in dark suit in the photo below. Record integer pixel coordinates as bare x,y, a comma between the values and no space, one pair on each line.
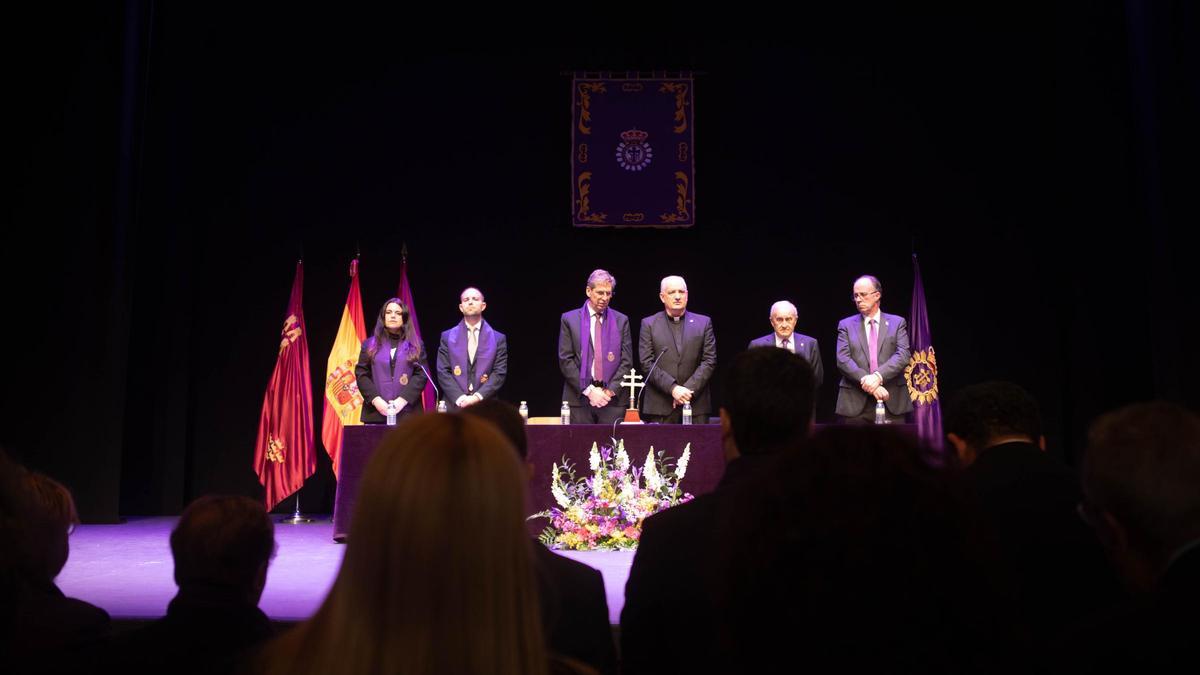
573,602
872,352
222,547
1028,501
678,352
783,320
668,623
472,358
595,351
1140,475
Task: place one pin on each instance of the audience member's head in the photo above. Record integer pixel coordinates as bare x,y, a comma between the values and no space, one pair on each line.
768,401
223,542
990,413
1141,485
437,575
506,418
37,513
855,545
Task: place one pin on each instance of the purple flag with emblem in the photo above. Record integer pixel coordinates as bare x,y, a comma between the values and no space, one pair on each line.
632,150
922,371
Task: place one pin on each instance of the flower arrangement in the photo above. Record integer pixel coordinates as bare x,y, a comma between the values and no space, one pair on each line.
605,510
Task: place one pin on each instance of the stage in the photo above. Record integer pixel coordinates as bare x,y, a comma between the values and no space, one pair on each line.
127,569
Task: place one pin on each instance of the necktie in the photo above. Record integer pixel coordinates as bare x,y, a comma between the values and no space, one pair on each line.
873,346
597,348
787,344
472,342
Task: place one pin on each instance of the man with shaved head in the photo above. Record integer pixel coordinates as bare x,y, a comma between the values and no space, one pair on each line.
472,359
783,321
678,353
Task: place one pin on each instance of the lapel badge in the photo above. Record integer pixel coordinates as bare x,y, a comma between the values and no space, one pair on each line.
404,379
457,371
611,358
483,379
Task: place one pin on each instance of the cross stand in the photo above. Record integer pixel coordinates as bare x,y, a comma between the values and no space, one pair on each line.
633,381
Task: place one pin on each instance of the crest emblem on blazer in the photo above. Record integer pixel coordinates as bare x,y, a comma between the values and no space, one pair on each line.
611,358
457,371
404,379
483,379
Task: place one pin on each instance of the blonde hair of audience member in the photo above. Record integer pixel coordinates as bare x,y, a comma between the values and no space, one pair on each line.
437,576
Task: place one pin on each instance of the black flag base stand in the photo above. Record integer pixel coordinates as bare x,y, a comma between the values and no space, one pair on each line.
297,518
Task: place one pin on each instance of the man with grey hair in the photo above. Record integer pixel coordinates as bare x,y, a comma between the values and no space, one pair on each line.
1140,476
783,320
595,352
678,353
872,352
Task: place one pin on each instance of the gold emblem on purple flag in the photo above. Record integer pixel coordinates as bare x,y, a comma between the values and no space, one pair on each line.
611,358
404,379
457,371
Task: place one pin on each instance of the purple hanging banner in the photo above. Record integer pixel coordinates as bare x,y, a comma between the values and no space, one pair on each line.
632,152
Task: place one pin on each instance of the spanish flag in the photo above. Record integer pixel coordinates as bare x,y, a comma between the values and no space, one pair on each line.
343,402
283,453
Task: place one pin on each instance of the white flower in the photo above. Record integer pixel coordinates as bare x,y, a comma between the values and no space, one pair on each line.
594,458
650,472
681,467
559,495
622,457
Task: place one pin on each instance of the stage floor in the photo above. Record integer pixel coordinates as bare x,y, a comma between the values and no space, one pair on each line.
127,569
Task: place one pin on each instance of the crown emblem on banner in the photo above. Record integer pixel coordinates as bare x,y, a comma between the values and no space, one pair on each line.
634,136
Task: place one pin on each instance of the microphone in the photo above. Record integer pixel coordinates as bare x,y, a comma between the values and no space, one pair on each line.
437,394
652,367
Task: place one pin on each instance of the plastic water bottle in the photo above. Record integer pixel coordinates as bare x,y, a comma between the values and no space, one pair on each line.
880,413
441,406
524,411
687,413
391,417
564,414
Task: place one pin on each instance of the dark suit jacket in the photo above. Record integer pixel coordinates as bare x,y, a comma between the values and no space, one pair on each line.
574,610
569,351
452,351
692,367
854,364
199,634
1028,500
668,624
804,346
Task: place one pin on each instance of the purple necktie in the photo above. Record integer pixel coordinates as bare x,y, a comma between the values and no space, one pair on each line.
873,346
597,347
787,344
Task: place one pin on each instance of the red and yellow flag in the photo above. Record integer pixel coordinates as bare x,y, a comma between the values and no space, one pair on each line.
343,402
283,453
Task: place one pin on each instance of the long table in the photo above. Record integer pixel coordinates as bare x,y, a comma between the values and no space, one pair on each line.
549,444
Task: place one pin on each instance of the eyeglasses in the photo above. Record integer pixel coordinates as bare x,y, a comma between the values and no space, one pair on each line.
860,296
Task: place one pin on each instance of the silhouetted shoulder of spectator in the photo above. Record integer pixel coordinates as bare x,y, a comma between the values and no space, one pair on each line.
853,554
574,610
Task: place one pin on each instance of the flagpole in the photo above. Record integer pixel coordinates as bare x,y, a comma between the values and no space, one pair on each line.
297,518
